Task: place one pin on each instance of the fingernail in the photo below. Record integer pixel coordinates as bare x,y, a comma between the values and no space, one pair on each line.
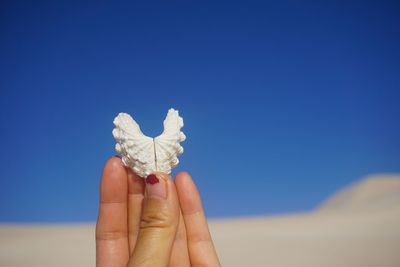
156,186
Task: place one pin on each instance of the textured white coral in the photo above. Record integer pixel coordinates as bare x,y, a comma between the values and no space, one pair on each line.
144,154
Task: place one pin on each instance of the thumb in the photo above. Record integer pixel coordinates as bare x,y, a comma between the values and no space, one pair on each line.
159,222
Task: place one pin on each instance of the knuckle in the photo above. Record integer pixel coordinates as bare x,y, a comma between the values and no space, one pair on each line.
110,235
159,219
157,215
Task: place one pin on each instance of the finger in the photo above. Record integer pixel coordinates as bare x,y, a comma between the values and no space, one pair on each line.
135,199
112,229
180,253
201,247
159,222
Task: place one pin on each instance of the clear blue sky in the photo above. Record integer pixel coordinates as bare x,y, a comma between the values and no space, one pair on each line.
284,103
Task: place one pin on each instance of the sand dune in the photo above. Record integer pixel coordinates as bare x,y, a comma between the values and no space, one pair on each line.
374,193
358,226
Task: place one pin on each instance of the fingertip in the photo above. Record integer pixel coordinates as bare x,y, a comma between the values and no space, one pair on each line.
113,185
168,181
113,164
188,194
182,178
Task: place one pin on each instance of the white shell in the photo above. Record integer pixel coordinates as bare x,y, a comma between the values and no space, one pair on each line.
144,154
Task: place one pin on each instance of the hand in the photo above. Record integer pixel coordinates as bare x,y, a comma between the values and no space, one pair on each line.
153,223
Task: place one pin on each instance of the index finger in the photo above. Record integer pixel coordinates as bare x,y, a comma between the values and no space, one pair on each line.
112,248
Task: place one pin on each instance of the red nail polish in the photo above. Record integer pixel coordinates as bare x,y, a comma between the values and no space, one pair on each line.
152,179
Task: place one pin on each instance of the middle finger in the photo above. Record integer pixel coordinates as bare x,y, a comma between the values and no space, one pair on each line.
135,199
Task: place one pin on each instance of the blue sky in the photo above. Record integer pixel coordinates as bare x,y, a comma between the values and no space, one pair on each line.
284,103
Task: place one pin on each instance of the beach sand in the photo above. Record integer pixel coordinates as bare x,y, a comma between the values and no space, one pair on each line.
358,226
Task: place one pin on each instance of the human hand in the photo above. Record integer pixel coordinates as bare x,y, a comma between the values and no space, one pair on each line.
154,223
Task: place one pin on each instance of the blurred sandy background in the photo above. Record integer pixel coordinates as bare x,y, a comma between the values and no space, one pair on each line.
358,226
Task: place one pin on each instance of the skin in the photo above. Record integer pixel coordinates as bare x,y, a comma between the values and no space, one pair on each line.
137,228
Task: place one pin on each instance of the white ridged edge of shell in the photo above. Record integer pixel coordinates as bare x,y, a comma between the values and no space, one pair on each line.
144,154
